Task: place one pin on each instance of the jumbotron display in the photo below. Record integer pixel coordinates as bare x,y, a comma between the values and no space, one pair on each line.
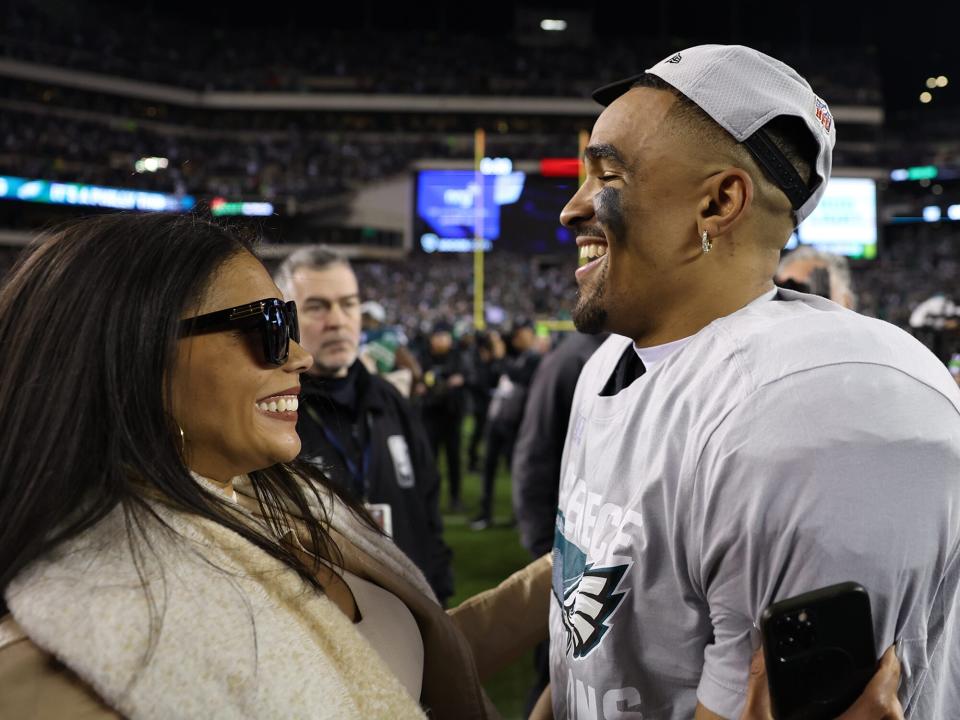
845,221
520,212
517,212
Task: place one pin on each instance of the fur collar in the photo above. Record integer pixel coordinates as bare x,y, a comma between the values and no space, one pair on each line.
238,634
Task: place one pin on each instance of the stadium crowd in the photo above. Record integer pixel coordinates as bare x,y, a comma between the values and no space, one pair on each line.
315,58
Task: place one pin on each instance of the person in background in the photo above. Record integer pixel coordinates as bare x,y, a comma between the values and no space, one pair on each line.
355,425
384,351
535,468
443,403
506,412
815,271
488,349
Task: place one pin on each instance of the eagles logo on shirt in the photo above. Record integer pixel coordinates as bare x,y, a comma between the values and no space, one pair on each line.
585,593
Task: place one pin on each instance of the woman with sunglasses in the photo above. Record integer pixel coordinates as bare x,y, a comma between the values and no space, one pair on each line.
156,537
161,555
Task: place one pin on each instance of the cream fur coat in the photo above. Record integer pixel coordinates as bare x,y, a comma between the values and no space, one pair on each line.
238,634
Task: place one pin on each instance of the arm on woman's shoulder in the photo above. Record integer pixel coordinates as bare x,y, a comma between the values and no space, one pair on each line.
502,623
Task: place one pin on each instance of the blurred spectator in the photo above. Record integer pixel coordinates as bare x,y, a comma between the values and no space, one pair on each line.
486,351
821,273
535,468
506,412
443,403
355,426
384,352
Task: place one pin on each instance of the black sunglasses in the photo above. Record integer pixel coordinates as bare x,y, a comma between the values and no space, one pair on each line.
276,319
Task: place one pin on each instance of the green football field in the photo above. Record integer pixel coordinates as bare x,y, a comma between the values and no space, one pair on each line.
481,559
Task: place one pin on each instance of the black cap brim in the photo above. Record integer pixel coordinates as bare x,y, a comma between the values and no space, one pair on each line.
608,93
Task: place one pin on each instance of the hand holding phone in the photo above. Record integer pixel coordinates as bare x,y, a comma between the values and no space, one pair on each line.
878,702
819,652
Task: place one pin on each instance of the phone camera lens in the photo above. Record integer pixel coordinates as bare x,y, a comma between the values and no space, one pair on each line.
795,632
806,631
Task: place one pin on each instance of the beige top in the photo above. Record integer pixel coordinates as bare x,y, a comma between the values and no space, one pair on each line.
388,625
385,621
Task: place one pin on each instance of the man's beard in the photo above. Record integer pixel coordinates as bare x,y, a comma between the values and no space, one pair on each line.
589,314
332,369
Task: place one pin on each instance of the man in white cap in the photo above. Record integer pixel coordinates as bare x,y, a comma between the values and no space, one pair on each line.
733,444
383,349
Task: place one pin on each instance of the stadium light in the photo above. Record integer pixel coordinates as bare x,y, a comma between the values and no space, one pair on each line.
942,81
220,207
925,97
953,212
917,172
551,25
931,82
931,213
151,164
496,166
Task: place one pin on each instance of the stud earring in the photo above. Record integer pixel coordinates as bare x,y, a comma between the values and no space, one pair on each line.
705,242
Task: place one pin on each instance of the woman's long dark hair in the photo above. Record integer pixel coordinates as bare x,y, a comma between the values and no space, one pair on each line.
89,323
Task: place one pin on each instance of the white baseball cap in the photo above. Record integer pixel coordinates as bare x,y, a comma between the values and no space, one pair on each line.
373,309
742,90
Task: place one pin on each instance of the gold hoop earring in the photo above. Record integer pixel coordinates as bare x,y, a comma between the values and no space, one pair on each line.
706,243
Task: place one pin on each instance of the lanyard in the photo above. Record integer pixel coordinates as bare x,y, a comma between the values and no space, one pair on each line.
357,474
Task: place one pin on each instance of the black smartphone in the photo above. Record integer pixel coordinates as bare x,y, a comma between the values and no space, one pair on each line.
819,651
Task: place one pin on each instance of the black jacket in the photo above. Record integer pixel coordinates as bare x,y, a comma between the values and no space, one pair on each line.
441,399
535,467
509,398
384,443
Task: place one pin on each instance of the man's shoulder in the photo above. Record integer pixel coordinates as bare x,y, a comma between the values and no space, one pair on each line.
385,390
803,334
384,397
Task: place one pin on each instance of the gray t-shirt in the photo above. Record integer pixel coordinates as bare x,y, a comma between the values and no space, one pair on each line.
788,446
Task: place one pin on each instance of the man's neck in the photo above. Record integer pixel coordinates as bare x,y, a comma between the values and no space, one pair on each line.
691,318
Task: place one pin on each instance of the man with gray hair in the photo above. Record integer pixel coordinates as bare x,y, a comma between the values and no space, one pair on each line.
819,272
733,444
356,426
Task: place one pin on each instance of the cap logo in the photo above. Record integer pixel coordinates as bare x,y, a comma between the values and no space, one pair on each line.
675,59
823,114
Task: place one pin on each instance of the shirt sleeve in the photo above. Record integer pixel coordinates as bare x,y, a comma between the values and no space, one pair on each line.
843,473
